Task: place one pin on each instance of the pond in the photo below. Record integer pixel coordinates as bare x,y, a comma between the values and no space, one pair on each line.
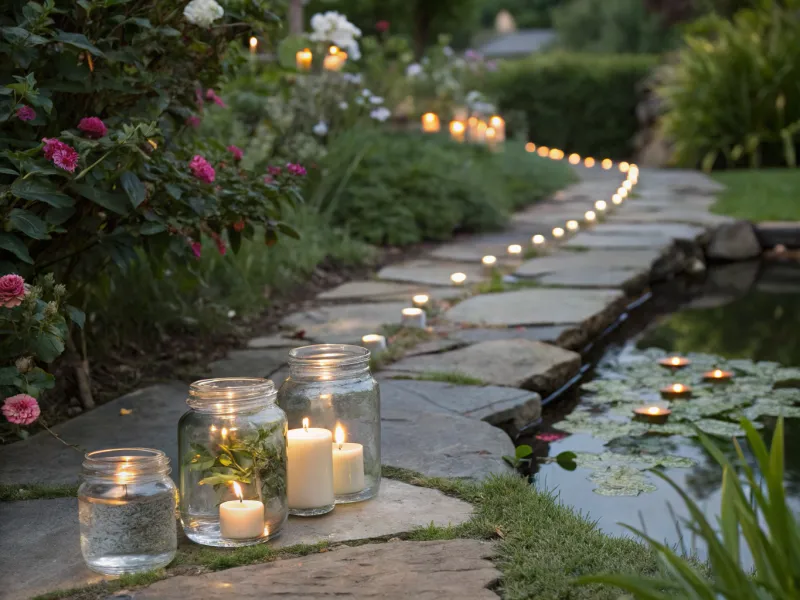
747,325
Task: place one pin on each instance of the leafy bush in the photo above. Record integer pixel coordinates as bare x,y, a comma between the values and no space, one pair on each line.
624,26
402,188
753,509
581,103
732,96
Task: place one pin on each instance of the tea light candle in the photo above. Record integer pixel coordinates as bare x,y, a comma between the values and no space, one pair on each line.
348,465
556,154
480,131
718,375
530,147
590,216
489,262
430,122
538,239
674,362
589,162
335,59
607,164
458,278
497,123
514,250
624,167
558,232
574,159
253,45
543,151
420,300
622,192
374,342
600,205
676,390
309,475
241,519
572,225
457,130
627,185
303,59
616,199
413,317
653,414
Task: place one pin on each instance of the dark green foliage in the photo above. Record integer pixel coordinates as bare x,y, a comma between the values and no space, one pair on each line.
401,189
582,103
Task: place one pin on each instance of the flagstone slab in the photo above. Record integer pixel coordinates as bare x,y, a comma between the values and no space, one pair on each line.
680,181
676,215
395,570
473,335
371,291
432,272
638,260
535,366
592,309
152,424
443,445
275,341
591,240
630,280
251,363
473,252
504,407
672,231
344,323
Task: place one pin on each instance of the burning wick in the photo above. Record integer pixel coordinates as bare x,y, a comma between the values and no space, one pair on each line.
238,491
339,436
305,424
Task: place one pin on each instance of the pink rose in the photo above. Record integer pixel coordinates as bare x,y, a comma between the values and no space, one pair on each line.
21,409
93,127
202,169
274,171
26,113
294,169
212,95
193,121
236,152
12,290
197,248
62,155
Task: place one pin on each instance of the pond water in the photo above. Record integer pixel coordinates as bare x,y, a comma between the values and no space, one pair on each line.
727,321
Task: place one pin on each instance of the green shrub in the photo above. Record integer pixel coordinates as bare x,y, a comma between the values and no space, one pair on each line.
624,26
405,188
580,103
732,96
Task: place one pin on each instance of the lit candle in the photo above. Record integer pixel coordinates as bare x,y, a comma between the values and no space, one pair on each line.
538,239
622,192
458,278
348,465
489,263
413,317
718,376
430,122
589,162
303,59
543,151
335,59
309,470
607,164
572,225
676,390
480,131
590,215
253,45
530,147
241,519
457,129
556,154
624,167
574,159
374,342
558,232
627,185
497,123
653,414
616,199
514,250
490,137
420,300
674,362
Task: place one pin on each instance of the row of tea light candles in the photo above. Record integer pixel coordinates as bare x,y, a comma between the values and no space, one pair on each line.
676,391
334,59
320,467
473,129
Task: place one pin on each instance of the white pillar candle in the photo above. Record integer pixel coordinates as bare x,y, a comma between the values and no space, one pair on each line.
241,519
600,205
558,232
538,239
590,216
420,300
572,225
458,278
310,468
374,342
348,465
514,250
413,317
489,262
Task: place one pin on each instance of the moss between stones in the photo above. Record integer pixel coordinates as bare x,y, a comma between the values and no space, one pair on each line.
36,491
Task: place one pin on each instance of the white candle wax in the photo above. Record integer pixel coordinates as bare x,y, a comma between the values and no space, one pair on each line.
374,342
310,468
348,468
241,519
413,317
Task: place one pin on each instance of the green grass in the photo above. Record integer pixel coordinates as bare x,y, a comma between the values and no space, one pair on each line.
448,377
760,195
399,341
36,491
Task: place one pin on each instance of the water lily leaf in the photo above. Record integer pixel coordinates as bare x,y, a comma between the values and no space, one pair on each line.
523,451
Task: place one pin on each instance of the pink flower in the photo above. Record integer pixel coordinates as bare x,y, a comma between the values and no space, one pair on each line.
382,26
62,155
197,248
93,127
236,151
274,171
21,409
26,113
295,169
239,225
221,247
212,95
269,179
12,290
193,121
202,169
550,437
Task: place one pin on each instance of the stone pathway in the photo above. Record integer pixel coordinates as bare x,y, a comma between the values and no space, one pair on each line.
517,342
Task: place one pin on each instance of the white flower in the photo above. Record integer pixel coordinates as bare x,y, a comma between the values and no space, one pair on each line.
203,12
231,313
354,78
320,128
413,70
447,51
343,105
376,100
366,93
381,114
334,28
473,96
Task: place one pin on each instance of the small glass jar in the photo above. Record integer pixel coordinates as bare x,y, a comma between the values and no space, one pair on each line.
232,449
126,509
331,386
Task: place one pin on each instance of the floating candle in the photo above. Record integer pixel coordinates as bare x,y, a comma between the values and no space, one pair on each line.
374,342
458,278
558,232
652,414
348,465
674,362
572,225
718,375
600,205
538,239
413,317
676,390
241,519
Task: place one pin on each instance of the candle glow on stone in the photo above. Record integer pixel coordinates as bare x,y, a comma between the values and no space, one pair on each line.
589,162
590,215
538,239
601,205
558,232
572,225
607,163
458,278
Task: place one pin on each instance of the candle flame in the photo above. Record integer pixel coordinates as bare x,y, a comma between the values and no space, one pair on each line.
590,215
572,225
339,435
237,490
530,147
456,127
458,278
677,387
496,121
624,167
717,373
305,423
429,117
607,163
334,50
411,311
489,259
514,249
420,299
574,159
370,337
589,162
253,42
600,205
558,232
538,239
653,410
675,361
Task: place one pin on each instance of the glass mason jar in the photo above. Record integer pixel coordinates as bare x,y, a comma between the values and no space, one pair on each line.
232,449
331,386
126,509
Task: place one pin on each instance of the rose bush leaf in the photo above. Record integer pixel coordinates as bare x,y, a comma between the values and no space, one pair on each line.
117,203
41,190
134,187
28,223
10,242
77,40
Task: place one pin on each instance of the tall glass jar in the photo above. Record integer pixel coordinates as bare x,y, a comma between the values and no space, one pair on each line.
232,448
126,509
331,386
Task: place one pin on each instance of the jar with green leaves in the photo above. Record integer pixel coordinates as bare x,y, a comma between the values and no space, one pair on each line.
232,449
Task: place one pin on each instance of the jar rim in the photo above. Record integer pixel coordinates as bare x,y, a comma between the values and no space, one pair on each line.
230,394
133,462
328,355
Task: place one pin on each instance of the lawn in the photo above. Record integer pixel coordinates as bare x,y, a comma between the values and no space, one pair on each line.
760,195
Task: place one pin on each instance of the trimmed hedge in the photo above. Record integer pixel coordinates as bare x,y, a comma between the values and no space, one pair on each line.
576,102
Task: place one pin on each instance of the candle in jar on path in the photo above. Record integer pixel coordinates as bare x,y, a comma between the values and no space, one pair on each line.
348,465
309,470
241,519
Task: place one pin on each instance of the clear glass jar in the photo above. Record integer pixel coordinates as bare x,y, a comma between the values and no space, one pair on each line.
331,386
126,508
232,449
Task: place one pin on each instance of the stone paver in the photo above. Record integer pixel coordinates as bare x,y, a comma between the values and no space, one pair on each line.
275,341
434,346
592,309
515,363
559,262
390,571
590,240
443,445
508,408
676,215
672,231
344,323
432,272
473,335
251,363
630,280
370,291
152,424
680,181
